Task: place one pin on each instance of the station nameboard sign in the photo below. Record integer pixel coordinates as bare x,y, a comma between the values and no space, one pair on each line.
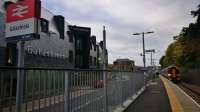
22,20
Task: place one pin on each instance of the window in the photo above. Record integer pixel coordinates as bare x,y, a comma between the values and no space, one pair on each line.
71,56
90,60
78,44
70,36
95,61
59,22
95,47
44,25
79,60
11,54
90,45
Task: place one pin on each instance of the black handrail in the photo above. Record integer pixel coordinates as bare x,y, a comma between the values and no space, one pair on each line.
59,69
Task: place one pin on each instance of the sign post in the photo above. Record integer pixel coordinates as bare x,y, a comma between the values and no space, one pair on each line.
22,20
20,76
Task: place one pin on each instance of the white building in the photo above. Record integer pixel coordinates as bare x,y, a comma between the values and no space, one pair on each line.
51,45
55,48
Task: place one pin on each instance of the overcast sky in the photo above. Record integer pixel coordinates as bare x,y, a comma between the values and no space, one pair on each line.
124,17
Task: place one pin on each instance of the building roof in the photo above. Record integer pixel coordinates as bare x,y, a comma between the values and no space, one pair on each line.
125,59
80,28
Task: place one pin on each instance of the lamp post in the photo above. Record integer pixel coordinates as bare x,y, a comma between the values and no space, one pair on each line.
143,43
104,68
151,51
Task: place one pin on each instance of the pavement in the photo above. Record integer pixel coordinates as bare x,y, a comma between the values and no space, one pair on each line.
153,99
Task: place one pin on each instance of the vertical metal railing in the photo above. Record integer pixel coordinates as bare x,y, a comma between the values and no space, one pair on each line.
64,90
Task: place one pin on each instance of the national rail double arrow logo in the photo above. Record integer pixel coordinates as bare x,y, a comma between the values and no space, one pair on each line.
20,10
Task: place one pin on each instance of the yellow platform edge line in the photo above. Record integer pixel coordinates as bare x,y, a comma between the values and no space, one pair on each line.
175,104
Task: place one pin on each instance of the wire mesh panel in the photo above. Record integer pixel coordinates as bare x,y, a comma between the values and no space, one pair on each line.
121,86
7,90
67,90
43,91
86,91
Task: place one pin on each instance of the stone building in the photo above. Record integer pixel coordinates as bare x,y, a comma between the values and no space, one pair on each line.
124,64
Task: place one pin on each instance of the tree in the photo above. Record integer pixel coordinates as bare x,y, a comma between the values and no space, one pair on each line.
185,51
196,14
161,62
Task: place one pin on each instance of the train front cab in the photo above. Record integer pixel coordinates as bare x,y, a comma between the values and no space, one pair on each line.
174,74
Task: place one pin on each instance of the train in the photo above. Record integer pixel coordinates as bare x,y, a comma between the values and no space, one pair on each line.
172,73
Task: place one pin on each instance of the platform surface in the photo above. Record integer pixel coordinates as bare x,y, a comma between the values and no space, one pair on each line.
154,99
179,100
163,96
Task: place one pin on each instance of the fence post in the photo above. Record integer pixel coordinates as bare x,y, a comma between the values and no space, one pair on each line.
66,93
145,77
121,83
105,91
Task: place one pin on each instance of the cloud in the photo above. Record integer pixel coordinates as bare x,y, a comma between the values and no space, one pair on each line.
124,17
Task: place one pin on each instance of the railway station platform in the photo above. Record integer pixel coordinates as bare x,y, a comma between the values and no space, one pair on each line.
179,100
163,96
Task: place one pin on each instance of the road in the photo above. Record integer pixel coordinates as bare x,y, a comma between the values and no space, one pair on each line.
85,102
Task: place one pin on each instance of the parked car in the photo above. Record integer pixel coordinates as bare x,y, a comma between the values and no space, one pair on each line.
98,84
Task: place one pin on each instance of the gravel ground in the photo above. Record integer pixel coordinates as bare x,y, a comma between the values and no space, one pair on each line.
191,92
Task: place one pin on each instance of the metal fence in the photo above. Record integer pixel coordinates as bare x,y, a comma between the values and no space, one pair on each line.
64,90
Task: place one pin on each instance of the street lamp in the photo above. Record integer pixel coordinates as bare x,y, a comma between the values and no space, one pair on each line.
151,51
143,43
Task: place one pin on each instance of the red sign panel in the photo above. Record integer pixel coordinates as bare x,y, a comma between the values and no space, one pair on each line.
23,9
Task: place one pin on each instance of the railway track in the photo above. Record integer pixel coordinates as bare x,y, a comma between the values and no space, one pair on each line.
194,93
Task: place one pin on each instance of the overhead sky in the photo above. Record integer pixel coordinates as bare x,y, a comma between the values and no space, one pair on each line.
122,18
